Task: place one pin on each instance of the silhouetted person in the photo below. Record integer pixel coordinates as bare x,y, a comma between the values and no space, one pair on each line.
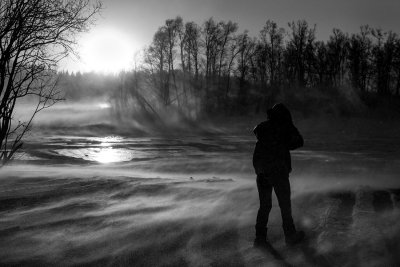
272,164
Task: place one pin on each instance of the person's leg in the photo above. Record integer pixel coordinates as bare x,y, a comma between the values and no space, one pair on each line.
282,191
264,192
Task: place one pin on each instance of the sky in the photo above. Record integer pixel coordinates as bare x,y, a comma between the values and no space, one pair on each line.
126,26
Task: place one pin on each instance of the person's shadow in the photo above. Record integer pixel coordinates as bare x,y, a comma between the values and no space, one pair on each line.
277,256
309,253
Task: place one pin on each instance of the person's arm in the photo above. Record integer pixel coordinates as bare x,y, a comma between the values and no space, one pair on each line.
266,135
259,132
255,131
296,140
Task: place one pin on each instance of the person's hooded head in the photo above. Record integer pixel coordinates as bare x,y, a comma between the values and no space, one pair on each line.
279,113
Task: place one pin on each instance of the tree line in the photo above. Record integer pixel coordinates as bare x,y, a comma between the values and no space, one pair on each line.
231,70
213,68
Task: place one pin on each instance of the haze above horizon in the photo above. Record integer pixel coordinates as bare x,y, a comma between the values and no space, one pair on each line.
125,26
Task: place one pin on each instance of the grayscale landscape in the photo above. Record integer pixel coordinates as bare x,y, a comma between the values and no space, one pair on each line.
190,199
126,131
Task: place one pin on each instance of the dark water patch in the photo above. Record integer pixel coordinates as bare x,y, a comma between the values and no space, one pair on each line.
55,158
382,201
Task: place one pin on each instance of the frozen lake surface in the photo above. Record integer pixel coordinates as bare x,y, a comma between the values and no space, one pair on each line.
191,201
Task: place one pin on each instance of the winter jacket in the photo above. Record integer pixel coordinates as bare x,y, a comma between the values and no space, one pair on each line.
275,137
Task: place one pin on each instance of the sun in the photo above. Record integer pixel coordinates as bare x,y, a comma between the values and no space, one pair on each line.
107,50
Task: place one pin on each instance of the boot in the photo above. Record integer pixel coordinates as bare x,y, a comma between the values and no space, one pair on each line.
292,237
295,238
261,240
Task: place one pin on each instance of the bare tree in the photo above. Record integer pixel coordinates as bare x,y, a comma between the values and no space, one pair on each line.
156,57
271,38
337,50
384,57
34,36
360,58
173,27
211,39
227,31
300,47
192,32
234,50
396,65
321,62
246,46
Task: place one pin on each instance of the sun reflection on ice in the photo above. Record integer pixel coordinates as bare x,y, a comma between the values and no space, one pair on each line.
109,149
107,154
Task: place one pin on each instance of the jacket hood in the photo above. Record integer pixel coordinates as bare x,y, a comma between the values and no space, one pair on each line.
280,113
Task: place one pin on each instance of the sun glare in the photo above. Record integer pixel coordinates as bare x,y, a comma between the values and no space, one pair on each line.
107,155
104,105
107,50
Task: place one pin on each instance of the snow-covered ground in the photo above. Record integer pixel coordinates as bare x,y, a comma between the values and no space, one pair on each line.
192,201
